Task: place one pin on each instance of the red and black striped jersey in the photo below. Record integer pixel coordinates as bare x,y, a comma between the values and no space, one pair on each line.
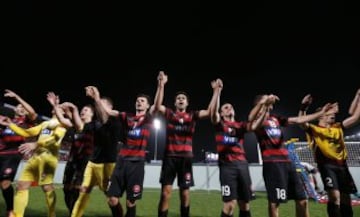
229,138
271,139
137,130
180,130
82,144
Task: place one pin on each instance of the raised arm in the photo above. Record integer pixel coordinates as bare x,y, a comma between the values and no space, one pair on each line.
261,108
355,102
29,132
206,113
159,95
103,110
217,86
354,118
31,112
260,101
54,139
326,109
59,112
76,119
305,104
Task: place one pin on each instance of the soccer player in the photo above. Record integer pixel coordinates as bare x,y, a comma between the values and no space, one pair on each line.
177,161
326,140
10,156
234,173
355,102
128,175
101,163
42,164
82,144
281,179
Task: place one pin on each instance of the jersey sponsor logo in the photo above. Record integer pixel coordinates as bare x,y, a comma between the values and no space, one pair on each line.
181,128
135,132
8,131
230,140
274,132
46,131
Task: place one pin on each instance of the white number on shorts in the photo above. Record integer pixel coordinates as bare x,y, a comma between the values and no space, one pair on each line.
225,190
281,193
329,182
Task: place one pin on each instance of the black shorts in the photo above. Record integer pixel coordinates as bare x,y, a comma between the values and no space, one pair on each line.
337,177
74,172
8,166
127,176
235,181
180,167
282,182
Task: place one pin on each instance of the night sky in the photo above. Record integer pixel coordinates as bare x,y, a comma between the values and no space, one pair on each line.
286,48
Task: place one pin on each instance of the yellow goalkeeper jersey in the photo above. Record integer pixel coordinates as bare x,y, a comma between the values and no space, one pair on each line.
330,140
49,135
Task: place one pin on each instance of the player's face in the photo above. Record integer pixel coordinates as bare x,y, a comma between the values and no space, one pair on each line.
227,110
20,110
181,101
86,113
329,119
142,104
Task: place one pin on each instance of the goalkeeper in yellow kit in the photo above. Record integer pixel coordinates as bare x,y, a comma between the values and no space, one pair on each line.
42,165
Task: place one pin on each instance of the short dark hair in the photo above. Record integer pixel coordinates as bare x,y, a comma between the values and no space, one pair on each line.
92,107
183,93
148,98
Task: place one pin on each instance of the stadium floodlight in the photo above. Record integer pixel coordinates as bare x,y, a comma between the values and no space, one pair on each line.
157,126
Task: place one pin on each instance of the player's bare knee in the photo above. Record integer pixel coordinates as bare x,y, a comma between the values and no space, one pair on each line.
47,188
166,194
113,201
302,203
4,184
23,185
85,189
229,206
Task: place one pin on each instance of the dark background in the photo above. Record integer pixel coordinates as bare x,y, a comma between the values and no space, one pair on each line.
289,48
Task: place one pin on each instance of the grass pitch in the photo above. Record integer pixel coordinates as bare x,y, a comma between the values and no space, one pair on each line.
203,204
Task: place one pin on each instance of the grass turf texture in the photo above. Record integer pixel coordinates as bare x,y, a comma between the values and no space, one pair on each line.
203,204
